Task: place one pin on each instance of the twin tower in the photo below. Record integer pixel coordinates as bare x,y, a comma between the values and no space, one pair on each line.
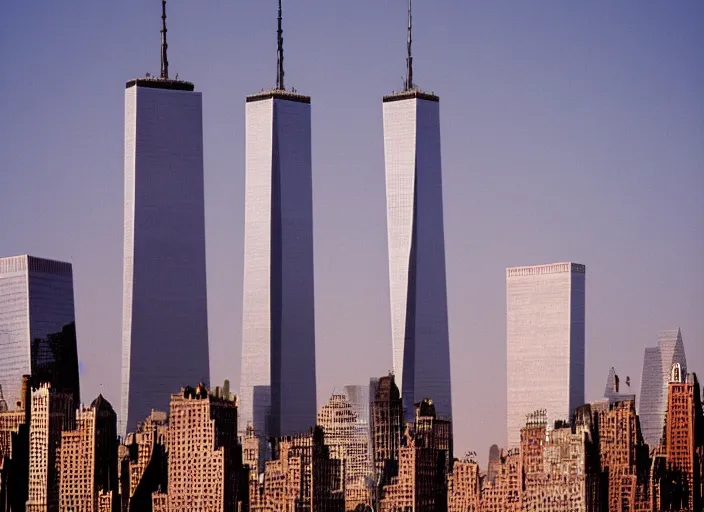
165,329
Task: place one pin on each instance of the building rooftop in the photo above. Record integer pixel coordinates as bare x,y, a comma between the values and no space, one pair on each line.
154,82
411,94
278,94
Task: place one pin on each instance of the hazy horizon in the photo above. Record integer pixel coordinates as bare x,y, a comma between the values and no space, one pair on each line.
570,132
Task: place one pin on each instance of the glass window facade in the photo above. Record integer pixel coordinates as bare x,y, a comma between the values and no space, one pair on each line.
37,325
657,364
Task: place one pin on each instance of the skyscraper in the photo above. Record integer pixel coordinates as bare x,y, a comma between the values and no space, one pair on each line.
545,342
278,386
414,214
657,363
37,325
165,327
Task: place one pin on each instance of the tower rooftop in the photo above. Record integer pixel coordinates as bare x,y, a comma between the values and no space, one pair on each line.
160,83
411,94
278,94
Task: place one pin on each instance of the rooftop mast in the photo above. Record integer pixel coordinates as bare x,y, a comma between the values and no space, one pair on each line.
280,54
409,59
164,46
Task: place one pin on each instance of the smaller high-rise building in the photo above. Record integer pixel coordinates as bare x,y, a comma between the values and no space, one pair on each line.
657,363
14,450
464,486
348,443
202,474
52,412
623,455
613,392
37,325
681,487
302,476
387,427
424,463
494,463
88,459
144,462
505,494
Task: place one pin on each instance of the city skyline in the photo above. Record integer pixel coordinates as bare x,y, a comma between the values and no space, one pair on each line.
475,271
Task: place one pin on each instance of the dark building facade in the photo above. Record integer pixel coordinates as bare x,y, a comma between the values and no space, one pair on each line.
387,427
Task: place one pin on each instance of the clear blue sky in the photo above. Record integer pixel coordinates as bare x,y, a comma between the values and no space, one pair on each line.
571,131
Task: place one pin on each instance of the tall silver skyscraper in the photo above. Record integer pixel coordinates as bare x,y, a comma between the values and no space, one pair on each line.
657,364
414,214
165,328
278,384
545,313
37,326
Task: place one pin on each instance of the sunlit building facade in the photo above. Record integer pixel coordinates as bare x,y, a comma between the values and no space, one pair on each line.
278,380
37,325
416,241
165,327
545,342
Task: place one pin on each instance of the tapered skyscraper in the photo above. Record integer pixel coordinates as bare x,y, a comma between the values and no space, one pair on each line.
421,348
165,329
278,386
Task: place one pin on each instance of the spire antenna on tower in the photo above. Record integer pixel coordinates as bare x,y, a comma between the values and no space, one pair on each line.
280,53
164,46
409,59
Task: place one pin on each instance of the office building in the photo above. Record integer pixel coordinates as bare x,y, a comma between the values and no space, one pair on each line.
143,465
424,462
416,241
278,384
301,477
387,428
349,444
657,363
52,412
37,325
464,486
545,313
165,325
683,445
14,450
88,458
202,474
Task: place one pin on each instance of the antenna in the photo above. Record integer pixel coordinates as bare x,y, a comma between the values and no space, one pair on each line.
409,59
164,46
280,53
